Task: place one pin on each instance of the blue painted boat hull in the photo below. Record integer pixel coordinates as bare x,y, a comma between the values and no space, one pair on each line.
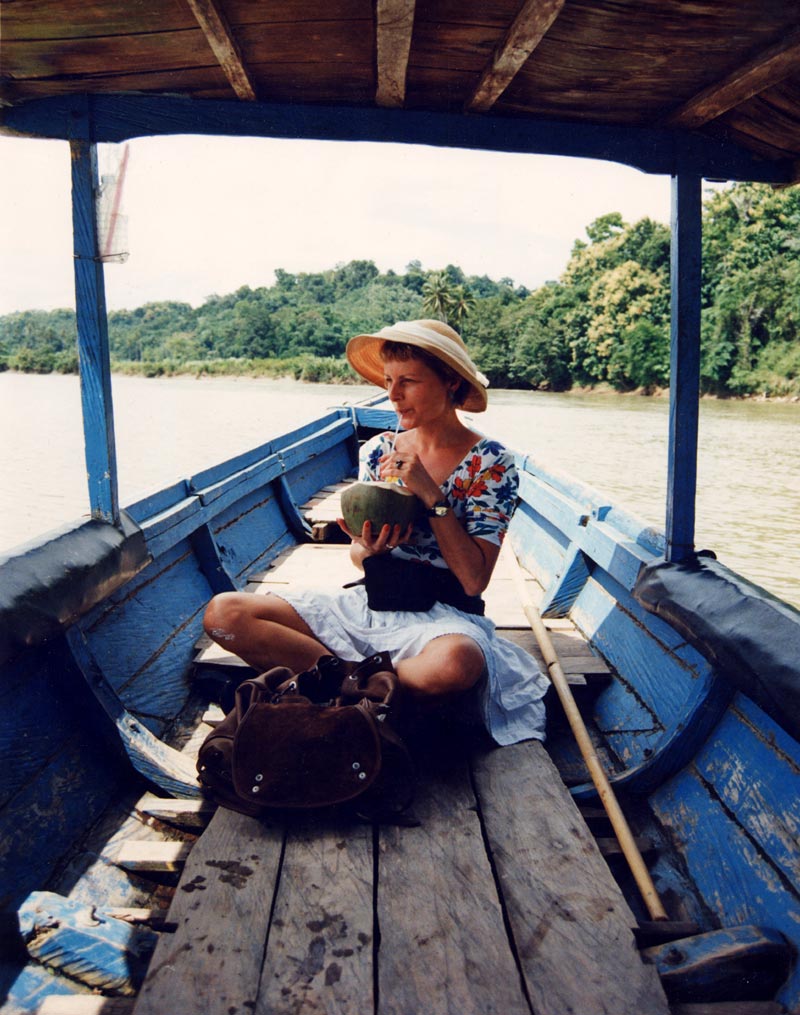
99,629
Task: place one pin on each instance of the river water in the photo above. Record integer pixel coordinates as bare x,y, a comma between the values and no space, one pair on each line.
748,472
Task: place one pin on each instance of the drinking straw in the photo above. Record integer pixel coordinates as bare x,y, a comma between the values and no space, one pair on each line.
396,431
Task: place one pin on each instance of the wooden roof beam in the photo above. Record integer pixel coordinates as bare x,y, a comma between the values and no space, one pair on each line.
224,46
771,66
529,27
394,25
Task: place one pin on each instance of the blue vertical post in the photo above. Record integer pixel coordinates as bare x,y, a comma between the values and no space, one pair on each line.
684,384
93,351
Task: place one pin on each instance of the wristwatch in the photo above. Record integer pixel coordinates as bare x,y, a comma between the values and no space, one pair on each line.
439,509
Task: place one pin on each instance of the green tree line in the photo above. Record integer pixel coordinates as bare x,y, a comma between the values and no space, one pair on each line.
604,321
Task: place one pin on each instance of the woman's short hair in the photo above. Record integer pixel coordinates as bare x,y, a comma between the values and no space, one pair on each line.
404,351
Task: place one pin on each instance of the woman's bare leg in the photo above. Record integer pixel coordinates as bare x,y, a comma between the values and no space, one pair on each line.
265,631
447,665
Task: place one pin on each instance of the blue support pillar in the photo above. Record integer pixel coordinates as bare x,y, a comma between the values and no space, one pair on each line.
684,385
93,352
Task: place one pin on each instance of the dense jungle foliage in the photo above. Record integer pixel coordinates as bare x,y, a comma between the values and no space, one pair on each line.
604,321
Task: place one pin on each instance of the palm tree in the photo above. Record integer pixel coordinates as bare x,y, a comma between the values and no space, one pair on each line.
463,303
437,295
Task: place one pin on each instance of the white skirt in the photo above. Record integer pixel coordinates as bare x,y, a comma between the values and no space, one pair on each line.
512,693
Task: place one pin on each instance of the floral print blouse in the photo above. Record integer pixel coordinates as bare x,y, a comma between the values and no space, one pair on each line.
481,490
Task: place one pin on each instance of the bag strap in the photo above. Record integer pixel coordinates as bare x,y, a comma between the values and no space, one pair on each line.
372,687
373,679
260,688
320,685
336,680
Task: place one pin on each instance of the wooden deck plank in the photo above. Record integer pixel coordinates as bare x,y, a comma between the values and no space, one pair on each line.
325,506
319,953
307,565
571,924
575,655
85,1004
580,663
503,605
328,566
185,813
154,856
221,909
443,945
320,565
216,655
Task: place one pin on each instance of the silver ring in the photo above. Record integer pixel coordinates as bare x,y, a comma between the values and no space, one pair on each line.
390,546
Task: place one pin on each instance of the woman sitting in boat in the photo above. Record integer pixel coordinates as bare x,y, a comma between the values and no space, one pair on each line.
467,485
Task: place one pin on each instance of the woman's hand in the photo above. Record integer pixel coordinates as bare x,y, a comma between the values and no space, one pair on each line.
387,538
406,466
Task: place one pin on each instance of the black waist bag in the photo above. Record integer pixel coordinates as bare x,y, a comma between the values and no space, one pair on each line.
316,739
396,584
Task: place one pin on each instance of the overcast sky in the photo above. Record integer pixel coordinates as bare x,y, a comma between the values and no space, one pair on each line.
206,216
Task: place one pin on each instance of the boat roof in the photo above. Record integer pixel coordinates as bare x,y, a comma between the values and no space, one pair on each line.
671,86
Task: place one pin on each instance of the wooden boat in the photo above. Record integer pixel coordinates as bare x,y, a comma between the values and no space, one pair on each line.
121,889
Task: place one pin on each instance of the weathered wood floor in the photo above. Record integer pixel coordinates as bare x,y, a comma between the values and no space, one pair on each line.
498,901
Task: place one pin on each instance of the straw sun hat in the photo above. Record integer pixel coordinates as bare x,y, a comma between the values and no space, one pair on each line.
434,337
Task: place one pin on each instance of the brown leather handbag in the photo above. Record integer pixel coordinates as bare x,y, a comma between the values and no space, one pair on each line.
315,739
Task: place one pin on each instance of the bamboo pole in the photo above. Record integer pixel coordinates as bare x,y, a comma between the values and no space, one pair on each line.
619,823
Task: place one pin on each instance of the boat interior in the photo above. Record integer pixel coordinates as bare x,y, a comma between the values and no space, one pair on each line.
509,887
506,863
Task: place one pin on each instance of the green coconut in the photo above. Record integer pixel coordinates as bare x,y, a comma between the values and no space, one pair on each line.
380,503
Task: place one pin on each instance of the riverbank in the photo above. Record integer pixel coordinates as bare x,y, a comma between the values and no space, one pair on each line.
331,370
314,369
663,393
